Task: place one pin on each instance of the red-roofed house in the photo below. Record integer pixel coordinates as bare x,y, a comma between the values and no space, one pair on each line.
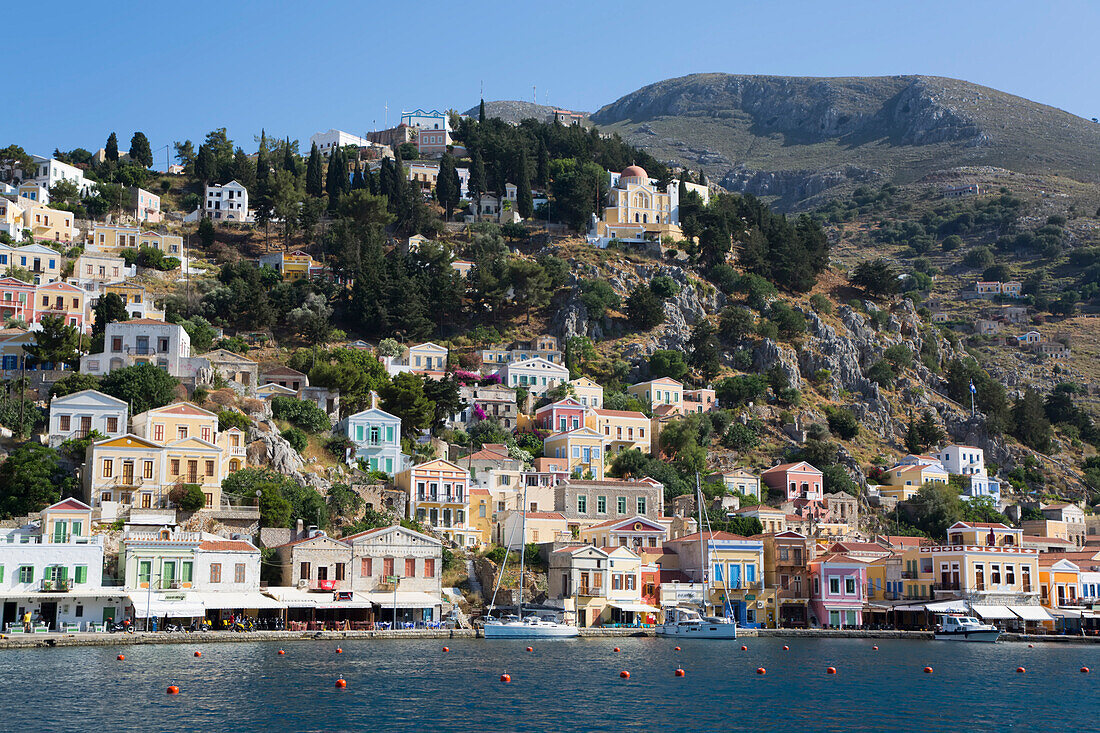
839,591
795,481
638,533
561,416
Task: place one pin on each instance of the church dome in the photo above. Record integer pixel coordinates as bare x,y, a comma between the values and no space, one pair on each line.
634,171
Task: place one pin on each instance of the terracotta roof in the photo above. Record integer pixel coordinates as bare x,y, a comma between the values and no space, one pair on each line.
861,547
479,492
713,535
147,322
836,557
788,466
570,548
227,546
281,369
70,505
625,520
981,525
620,413
484,455
1046,540
545,515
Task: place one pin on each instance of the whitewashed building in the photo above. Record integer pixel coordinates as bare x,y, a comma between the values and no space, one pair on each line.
536,375
377,438
141,341
967,460
74,416
227,202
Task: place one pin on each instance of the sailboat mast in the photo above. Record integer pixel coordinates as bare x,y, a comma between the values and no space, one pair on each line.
702,542
522,547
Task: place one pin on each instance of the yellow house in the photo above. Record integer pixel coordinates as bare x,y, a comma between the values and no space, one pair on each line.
183,421
195,461
582,448
657,392
438,499
11,218
169,244
427,357
296,265
138,303
903,481
108,238
46,224
735,571
1058,583
177,421
636,209
125,472
587,392
481,515
62,300
621,429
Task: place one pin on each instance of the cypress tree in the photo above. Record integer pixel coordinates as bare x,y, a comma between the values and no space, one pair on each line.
314,178
524,202
336,170
288,158
481,111
206,168
262,166
139,150
445,183
385,179
477,177
371,178
345,177
400,203
111,149
543,175
357,181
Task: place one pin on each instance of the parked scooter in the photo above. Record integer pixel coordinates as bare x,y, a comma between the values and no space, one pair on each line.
125,627
202,625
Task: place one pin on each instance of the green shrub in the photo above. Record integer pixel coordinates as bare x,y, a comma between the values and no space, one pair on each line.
305,415
188,497
297,439
232,419
821,304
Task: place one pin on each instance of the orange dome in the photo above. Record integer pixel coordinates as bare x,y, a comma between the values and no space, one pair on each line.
634,171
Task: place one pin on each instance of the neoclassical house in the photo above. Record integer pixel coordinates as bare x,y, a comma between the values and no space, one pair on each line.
636,210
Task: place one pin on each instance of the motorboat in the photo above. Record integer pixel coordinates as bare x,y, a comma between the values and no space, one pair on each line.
514,627
689,623
966,628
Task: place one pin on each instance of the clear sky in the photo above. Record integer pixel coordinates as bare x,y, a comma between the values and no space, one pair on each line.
177,70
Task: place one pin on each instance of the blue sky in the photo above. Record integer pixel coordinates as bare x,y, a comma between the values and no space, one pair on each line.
177,70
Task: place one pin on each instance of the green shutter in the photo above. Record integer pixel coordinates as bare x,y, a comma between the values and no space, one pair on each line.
77,526
58,531
80,573
62,574
389,433
185,572
1,573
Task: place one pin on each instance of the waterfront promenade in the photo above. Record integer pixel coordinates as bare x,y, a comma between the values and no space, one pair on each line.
137,638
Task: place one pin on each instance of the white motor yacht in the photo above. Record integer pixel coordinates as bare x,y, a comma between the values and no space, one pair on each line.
514,627
966,628
688,623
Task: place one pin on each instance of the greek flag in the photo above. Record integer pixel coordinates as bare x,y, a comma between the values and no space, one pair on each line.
973,389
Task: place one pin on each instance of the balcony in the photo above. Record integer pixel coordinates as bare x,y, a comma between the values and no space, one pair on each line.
59,585
909,575
950,587
237,450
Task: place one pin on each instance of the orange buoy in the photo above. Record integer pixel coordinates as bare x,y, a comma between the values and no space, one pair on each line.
830,670
339,650
506,677
281,652
786,648
615,649
1084,670
120,657
679,673
761,670
341,683
1020,670
1030,646
173,690
744,648
677,649
446,649
198,654
874,648
530,648
624,674
928,670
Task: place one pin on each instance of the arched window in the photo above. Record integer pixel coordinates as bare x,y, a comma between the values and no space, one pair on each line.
645,218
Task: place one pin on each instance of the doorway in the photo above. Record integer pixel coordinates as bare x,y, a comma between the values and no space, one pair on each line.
49,613
9,613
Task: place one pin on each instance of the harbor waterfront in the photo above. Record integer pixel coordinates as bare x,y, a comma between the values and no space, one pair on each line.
250,686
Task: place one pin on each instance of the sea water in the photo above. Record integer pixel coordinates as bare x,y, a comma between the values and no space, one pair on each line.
563,685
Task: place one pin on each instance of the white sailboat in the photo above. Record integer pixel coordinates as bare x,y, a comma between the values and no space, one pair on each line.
518,627
688,622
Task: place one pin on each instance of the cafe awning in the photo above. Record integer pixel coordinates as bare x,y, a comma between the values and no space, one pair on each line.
947,607
1031,613
993,612
402,599
1066,613
231,600
181,606
636,607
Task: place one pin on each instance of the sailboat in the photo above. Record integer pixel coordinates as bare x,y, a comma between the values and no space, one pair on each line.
518,627
686,622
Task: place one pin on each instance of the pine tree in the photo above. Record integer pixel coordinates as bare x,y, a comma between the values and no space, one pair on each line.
542,177
206,168
139,150
524,203
111,150
481,112
315,186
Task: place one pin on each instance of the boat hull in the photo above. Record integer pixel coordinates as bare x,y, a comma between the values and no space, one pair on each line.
978,636
526,631
698,631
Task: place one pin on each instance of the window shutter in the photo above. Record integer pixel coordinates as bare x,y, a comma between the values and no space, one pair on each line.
77,526
80,573
58,531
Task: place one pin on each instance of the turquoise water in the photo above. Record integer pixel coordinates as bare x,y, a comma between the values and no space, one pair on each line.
567,685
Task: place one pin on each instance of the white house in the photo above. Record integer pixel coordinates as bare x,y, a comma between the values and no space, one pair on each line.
967,460
76,415
53,569
49,171
377,437
426,120
227,202
141,341
326,142
536,375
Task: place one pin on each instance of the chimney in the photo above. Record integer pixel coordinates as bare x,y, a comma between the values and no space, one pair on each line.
373,399
298,529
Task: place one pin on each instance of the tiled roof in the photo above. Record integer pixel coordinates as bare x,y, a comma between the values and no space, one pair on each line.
146,322
694,537
227,546
544,515
620,413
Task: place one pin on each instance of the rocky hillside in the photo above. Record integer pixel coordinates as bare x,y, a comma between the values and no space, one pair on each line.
515,111
793,137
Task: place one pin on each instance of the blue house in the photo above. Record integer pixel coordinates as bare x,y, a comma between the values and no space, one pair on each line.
377,438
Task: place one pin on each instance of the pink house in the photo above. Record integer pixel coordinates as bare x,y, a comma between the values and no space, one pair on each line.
16,299
561,416
796,481
838,590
